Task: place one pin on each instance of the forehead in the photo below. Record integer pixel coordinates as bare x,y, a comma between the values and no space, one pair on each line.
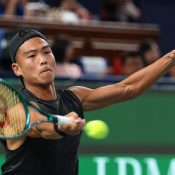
33,44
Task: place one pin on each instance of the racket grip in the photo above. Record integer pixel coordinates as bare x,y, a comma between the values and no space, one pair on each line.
61,120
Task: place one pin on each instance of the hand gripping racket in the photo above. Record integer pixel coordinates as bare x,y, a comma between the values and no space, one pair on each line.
15,114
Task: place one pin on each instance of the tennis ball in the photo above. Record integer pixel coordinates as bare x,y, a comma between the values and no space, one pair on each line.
96,129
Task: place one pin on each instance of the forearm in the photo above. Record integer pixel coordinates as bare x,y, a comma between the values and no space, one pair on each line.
49,131
140,81
45,130
127,89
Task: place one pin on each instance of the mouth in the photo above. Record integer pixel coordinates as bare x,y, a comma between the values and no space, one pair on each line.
46,70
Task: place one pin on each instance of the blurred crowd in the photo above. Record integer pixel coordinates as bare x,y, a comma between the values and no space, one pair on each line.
76,11
73,11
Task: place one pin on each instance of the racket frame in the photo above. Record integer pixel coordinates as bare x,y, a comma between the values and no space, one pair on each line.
26,104
26,110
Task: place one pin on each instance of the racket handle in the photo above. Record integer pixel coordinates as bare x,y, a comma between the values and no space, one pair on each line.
61,120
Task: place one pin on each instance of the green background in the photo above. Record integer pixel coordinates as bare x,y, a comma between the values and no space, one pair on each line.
147,120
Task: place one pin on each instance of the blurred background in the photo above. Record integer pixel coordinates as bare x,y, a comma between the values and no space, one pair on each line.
100,42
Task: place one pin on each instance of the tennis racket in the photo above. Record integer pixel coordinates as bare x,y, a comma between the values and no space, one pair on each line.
15,114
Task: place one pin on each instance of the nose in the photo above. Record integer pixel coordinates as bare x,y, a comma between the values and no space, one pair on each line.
43,60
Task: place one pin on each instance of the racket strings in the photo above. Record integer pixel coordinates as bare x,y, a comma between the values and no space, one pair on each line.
2,110
11,119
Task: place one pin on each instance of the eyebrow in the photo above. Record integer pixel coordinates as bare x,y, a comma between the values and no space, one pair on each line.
35,50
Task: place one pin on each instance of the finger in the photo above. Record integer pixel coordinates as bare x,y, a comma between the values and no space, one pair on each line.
72,115
75,129
80,121
80,124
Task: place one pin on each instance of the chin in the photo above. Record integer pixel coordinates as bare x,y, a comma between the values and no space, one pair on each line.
46,81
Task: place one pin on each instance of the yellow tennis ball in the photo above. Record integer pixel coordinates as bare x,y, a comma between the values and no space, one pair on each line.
96,129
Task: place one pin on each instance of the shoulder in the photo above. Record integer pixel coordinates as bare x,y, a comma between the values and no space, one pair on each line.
80,91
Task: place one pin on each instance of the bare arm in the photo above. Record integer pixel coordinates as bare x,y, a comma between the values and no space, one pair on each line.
82,12
11,6
45,130
127,89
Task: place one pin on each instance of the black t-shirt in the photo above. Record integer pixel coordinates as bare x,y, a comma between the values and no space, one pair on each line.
39,156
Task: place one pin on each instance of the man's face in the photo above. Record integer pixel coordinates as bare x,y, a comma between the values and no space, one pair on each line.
35,62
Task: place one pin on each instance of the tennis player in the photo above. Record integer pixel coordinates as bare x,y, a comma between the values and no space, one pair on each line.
44,151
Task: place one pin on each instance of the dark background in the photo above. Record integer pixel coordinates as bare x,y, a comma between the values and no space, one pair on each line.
161,12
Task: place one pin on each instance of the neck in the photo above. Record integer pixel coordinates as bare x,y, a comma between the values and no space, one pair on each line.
44,93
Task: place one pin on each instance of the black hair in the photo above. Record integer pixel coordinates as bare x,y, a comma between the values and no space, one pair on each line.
19,38
145,46
59,47
126,55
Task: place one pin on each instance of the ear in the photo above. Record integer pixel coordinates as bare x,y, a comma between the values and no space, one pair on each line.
16,69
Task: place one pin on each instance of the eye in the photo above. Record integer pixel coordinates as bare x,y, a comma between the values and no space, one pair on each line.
31,56
47,51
